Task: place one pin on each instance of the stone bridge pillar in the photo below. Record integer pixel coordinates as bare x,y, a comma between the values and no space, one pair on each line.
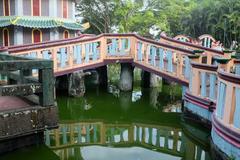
76,86
150,80
102,76
126,77
145,76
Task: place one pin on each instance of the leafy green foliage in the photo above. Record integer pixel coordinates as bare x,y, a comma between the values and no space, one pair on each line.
219,18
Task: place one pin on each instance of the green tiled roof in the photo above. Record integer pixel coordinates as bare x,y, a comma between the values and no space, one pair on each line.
39,22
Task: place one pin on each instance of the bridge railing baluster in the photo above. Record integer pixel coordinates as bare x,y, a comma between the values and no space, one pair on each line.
62,57
70,55
94,51
79,133
187,67
54,58
169,61
203,81
122,43
87,133
148,53
95,133
87,52
161,58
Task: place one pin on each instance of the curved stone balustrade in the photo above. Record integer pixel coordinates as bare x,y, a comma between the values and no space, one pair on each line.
182,38
237,67
214,95
208,52
207,40
204,40
226,119
202,94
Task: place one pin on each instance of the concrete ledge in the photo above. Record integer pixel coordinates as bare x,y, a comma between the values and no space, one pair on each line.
203,113
193,116
223,147
27,121
19,142
216,152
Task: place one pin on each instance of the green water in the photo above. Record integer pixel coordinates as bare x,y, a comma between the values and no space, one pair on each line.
145,124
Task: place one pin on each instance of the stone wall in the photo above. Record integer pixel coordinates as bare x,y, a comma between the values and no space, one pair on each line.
27,121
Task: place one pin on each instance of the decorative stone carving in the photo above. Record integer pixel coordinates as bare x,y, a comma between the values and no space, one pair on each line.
76,86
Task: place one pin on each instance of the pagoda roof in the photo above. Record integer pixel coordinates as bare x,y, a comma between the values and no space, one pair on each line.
39,22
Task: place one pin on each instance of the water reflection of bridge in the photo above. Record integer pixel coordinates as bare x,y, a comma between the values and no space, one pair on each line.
69,137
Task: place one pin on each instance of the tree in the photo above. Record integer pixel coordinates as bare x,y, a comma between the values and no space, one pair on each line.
148,17
99,13
221,21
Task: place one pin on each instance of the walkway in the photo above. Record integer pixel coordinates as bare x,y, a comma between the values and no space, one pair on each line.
167,59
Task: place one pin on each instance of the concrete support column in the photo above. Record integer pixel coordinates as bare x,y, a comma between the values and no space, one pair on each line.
76,86
153,98
154,80
166,81
18,35
125,100
102,76
126,77
150,80
145,83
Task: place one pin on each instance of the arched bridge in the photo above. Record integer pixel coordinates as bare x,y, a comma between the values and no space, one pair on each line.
167,58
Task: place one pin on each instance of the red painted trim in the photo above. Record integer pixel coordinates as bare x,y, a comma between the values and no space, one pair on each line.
126,60
67,71
36,36
92,66
233,78
66,34
197,104
111,61
64,8
161,74
228,139
27,47
87,39
237,61
204,66
192,45
226,133
201,102
6,8
36,7
6,37
3,49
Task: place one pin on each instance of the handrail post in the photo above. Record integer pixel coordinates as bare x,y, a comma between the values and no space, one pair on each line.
133,48
194,76
209,58
70,55
103,48
180,65
54,58
46,77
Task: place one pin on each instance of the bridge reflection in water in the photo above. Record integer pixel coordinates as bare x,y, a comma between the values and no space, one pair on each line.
69,140
143,130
